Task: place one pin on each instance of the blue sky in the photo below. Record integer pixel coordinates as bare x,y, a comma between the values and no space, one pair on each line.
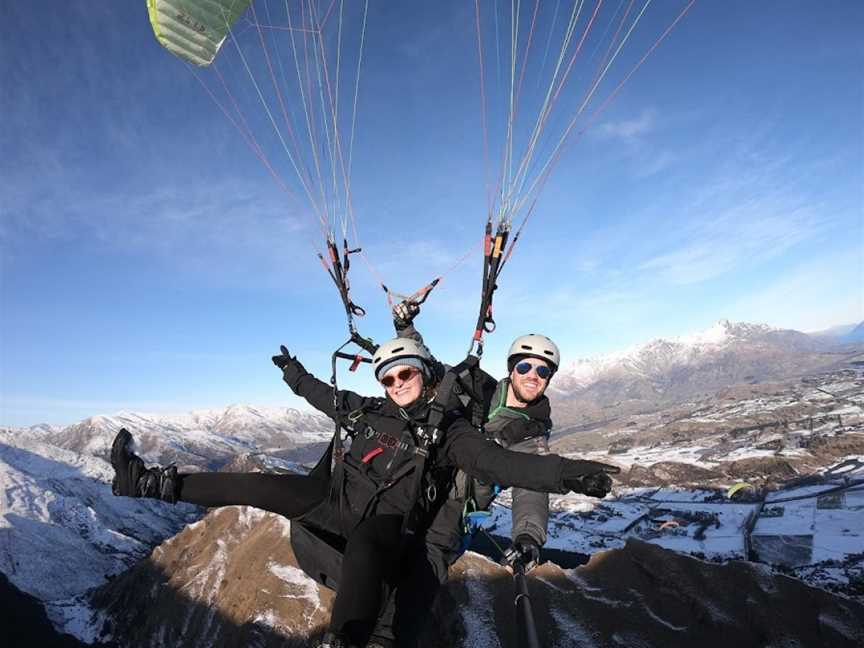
150,262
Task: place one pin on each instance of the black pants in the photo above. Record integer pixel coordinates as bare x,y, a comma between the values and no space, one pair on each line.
369,567
285,494
372,551
406,610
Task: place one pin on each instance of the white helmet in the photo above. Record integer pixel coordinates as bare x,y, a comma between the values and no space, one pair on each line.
407,350
533,346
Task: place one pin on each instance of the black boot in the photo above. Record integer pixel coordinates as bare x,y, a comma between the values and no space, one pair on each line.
330,640
133,479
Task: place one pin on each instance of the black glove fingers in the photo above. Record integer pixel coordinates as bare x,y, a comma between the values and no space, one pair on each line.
282,360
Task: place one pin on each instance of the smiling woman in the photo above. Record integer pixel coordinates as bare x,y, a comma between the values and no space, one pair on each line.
404,367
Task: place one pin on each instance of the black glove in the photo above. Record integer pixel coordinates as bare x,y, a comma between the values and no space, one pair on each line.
524,551
404,313
588,477
283,359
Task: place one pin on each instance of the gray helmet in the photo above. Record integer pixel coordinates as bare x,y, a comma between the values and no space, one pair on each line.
402,351
533,346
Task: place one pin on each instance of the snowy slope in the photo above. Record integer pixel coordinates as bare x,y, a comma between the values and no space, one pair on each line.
62,532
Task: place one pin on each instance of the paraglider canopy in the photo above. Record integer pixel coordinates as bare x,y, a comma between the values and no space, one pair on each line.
738,488
194,30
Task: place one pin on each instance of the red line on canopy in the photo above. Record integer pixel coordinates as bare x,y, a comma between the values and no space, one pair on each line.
483,107
327,15
525,57
292,29
594,115
306,181
615,92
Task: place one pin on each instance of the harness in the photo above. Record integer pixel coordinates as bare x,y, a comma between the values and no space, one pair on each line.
426,437
318,538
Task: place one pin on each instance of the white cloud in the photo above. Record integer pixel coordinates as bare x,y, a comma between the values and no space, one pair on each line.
629,129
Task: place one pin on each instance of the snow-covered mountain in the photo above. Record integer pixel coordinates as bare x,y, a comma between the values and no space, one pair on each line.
663,371
658,357
62,532
202,438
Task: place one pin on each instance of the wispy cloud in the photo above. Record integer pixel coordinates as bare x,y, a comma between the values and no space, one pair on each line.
628,129
652,164
737,238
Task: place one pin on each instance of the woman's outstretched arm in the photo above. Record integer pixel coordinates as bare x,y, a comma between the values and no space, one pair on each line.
316,392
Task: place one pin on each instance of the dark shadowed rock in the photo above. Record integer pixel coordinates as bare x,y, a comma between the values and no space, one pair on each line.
24,622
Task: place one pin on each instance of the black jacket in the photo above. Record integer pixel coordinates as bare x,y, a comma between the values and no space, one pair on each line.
383,441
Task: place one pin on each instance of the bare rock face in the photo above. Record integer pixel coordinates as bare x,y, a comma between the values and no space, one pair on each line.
668,472
761,468
231,580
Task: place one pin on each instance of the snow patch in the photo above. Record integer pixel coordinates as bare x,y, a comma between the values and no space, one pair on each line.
477,615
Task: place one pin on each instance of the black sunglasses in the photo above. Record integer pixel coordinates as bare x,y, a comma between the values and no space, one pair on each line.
405,375
543,371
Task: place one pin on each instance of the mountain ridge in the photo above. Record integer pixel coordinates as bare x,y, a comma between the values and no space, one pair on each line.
662,372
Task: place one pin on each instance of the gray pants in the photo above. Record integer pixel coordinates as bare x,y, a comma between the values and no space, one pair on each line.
530,508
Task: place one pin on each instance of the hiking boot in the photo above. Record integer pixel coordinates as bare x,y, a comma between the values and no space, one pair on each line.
133,479
381,642
330,640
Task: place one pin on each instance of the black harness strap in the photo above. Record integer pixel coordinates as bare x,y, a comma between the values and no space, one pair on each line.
428,436
493,248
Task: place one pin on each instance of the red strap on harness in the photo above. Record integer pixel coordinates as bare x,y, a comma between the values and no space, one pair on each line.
369,456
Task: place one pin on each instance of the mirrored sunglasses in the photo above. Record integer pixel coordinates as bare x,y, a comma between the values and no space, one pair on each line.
404,376
543,371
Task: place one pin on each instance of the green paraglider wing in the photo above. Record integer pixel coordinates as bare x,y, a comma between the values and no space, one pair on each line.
194,30
736,488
